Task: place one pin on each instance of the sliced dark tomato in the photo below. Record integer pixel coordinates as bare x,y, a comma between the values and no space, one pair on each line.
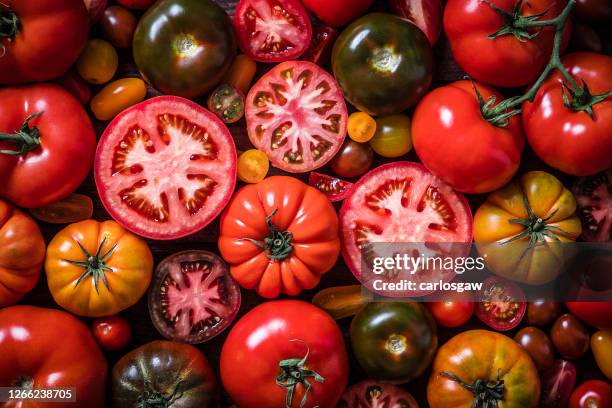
272,30
165,168
374,394
319,50
594,197
296,114
402,202
557,384
502,304
227,103
193,297
334,188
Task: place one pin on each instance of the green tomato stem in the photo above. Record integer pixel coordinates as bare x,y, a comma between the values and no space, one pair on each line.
27,138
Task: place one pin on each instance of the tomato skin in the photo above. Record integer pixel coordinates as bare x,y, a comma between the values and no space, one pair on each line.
537,344
353,159
542,312
57,167
426,14
73,83
117,96
112,333
136,4
253,166
118,25
601,345
372,394
74,208
451,309
338,12
596,314
51,35
591,394
277,324
566,140
557,384
503,61
98,62
30,351
457,144
241,73
22,252
392,138
570,337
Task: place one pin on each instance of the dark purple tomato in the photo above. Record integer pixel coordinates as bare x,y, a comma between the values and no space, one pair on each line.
537,344
542,312
570,337
118,26
353,159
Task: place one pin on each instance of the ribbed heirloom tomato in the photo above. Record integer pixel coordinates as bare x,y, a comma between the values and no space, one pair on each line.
279,236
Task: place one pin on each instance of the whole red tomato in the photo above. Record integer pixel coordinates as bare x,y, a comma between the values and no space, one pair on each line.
285,353
47,144
592,394
40,39
112,333
507,60
597,314
451,309
567,138
456,143
48,348
338,12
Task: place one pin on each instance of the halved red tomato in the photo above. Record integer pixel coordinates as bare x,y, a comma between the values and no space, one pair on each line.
297,115
502,304
272,30
594,198
165,168
373,394
402,202
334,188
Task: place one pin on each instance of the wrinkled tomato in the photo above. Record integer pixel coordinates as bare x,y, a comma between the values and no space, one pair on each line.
502,304
334,188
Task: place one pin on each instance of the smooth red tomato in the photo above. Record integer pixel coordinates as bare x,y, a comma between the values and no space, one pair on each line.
504,60
165,168
597,314
297,115
285,353
112,333
40,39
118,26
136,4
452,309
566,139
425,14
49,164
338,12
592,394
456,143
272,30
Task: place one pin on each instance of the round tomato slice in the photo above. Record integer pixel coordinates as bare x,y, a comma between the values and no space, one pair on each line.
502,304
272,30
165,168
402,202
297,115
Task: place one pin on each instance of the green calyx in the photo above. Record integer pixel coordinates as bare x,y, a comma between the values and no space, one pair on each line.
277,244
293,372
27,138
94,265
9,24
487,394
515,23
581,98
155,399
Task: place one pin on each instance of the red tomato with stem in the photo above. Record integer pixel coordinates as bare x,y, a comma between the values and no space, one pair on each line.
591,394
112,333
338,12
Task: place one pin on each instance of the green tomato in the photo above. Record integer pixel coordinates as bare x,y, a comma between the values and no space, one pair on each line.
392,137
184,47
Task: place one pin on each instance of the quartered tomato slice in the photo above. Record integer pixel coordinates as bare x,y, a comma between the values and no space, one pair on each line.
272,30
334,188
297,115
165,168
402,202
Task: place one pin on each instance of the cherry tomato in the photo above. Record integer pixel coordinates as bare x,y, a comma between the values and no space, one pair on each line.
341,301
601,344
241,73
136,4
592,394
393,136
334,188
112,333
338,12
542,312
557,384
593,196
118,26
95,8
227,103
502,305
117,96
74,208
73,83
319,50
451,309
361,127
353,159
425,14
537,344
570,337
98,62
253,166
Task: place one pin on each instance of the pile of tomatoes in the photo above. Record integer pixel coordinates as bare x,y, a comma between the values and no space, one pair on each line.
296,134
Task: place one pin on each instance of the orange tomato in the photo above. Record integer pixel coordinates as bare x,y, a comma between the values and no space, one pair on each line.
22,252
117,96
97,269
98,62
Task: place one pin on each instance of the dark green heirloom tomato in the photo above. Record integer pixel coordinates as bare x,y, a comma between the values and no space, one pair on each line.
383,64
184,47
394,341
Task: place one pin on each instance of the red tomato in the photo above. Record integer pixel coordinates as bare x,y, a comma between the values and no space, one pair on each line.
502,304
112,333
425,14
296,114
43,40
334,188
570,140
592,394
57,146
505,60
137,4
165,168
272,30
338,12
452,309
282,353
597,314
457,144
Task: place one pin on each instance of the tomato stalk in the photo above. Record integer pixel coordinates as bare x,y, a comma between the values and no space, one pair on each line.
155,399
294,372
94,265
486,393
278,243
27,138
9,24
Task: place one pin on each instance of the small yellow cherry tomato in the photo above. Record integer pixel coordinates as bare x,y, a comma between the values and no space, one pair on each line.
241,73
393,137
361,127
98,62
117,96
253,166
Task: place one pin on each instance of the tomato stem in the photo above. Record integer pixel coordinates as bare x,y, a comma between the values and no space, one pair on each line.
27,138
486,393
293,372
278,243
9,24
94,265
155,399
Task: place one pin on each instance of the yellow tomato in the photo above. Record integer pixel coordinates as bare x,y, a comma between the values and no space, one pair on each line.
117,96
601,344
361,127
393,137
97,269
253,166
241,73
98,62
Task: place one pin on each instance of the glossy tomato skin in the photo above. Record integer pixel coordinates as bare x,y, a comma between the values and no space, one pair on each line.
503,304
164,369
383,64
56,168
426,14
184,47
479,355
277,325
596,314
542,312
372,394
303,211
451,309
50,37
30,352
502,61
601,345
557,384
136,4
118,26
22,252
338,12
112,333
353,159
537,344
570,337
591,394
571,141
457,144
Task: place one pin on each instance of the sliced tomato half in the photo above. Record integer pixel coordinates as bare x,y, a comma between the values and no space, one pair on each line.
594,197
165,168
297,115
272,30
334,188
402,202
